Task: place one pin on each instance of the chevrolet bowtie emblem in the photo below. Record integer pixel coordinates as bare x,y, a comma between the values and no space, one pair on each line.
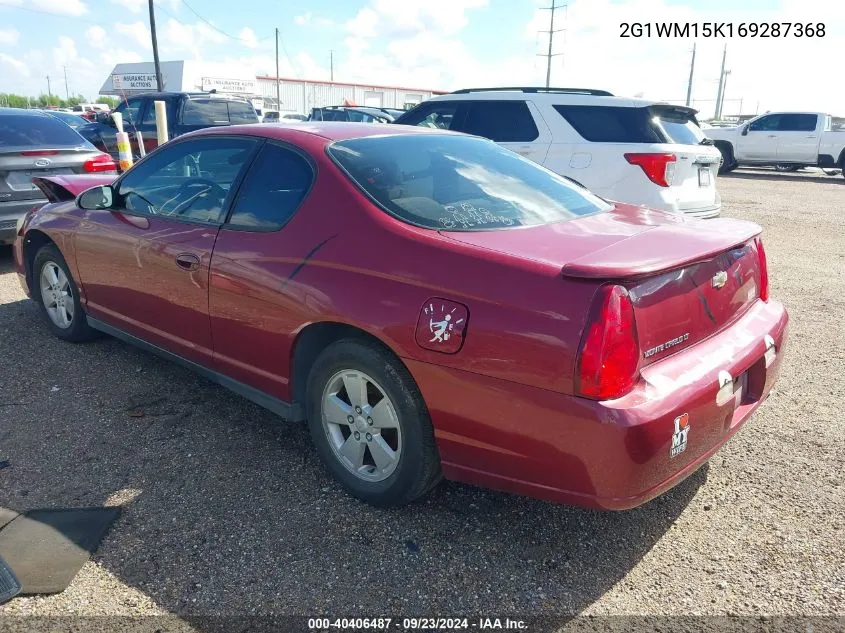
720,279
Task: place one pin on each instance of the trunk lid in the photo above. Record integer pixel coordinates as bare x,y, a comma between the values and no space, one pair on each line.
19,167
687,279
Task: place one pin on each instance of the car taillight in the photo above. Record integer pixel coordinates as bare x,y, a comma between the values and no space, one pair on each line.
610,353
764,271
660,168
101,162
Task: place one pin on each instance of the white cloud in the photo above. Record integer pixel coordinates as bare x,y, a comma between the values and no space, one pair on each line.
248,37
9,37
61,7
17,65
65,52
125,56
304,19
364,23
138,33
189,38
96,36
133,6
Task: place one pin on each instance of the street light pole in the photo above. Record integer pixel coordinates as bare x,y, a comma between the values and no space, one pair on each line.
155,47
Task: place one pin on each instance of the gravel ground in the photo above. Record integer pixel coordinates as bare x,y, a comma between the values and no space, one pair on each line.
227,509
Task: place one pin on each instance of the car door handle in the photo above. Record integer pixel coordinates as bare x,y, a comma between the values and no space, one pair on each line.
188,261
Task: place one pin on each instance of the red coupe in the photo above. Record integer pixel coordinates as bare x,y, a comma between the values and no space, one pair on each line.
431,303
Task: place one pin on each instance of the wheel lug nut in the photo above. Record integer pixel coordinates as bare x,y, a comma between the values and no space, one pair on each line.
357,435
369,437
350,419
370,421
357,409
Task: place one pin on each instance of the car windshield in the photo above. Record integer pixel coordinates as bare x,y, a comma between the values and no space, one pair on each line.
459,183
28,131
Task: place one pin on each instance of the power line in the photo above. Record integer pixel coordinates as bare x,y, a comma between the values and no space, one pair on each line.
222,32
55,15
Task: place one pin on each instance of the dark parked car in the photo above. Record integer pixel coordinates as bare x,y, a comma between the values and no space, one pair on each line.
354,114
36,143
186,112
431,303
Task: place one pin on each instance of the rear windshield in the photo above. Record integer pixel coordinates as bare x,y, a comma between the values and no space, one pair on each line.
612,124
33,131
217,112
459,183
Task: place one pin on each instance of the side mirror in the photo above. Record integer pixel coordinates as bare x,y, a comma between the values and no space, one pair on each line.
745,131
97,198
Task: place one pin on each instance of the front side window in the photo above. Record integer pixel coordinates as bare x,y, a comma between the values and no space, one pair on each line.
768,123
130,109
500,121
275,185
188,180
438,115
459,183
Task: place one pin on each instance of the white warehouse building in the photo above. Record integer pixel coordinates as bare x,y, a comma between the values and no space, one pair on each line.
296,95
300,95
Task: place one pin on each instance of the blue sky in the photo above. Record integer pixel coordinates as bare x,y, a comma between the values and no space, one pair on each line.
436,44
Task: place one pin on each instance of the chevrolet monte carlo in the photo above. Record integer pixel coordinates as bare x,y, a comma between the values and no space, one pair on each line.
432,304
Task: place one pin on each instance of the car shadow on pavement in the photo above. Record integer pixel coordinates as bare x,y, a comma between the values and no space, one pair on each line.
228,511
7,264
779,177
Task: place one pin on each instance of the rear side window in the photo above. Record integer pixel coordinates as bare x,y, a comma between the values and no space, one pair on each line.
210,112
274,187
500,121
241,112
798,122
459,183
610,124
35,131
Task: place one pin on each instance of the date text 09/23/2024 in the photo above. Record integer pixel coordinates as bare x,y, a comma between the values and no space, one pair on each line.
722,29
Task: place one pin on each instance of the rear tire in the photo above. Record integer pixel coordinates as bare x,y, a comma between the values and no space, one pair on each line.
370,425
56,293
787,168
728,162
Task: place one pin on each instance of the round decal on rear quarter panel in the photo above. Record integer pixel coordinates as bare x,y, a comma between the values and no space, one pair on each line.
442,325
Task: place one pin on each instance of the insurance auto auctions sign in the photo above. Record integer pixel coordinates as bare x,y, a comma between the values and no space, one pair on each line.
231,86
140,81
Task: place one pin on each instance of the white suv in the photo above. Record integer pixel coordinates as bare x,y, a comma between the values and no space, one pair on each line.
631,150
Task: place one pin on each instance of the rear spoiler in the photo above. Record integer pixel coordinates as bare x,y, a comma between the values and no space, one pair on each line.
65,188
662,249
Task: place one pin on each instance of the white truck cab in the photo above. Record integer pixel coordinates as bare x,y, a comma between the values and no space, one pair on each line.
789,140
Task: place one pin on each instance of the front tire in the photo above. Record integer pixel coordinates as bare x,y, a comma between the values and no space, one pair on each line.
370,425
58,296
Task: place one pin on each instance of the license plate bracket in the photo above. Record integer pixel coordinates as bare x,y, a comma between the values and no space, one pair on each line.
704,179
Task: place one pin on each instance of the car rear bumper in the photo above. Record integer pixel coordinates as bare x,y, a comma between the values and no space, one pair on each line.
10,213
616,454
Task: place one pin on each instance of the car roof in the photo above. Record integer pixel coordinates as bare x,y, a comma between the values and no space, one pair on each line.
329,130
559,98
24,112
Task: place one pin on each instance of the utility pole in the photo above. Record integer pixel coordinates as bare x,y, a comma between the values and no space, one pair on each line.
49,92
691,69
724,91
551,33
278,87
159,82
331,65
718,112
67,92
